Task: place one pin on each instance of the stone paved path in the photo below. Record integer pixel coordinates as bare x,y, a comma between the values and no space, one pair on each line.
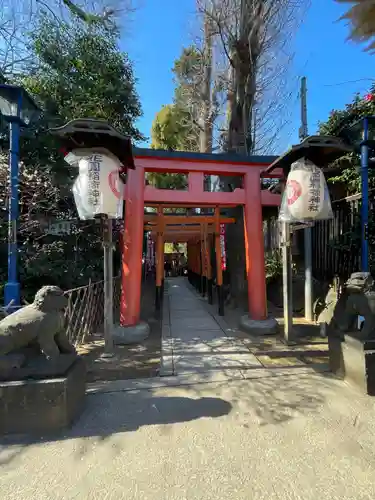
194,342
198,341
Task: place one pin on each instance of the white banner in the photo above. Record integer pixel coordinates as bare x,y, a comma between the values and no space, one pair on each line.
98,188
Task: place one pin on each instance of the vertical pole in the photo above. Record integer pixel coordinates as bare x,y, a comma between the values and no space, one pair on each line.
197,265
108,286
287,280
133,246
188,260
159,262
12,289
308,273
203,259
159,271
306,232
209,267
200,264
256,273
219,271
364,205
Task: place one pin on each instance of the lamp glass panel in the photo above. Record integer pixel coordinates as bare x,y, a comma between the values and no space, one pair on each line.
8,108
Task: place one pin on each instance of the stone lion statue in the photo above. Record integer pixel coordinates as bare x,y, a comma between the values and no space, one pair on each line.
357,299
34,330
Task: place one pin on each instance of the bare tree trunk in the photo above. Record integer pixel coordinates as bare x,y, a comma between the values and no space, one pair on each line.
206,118
241,97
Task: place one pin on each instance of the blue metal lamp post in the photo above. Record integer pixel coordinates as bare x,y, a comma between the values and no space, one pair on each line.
18,109
364,189
361,135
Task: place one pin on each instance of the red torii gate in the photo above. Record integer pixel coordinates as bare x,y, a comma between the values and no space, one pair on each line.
196,231
196,166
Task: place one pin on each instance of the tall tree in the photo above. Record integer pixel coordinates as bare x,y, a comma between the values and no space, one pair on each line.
195,105
81,72
254,44
18,17
176,126
206,115
188,123
340,123
172,130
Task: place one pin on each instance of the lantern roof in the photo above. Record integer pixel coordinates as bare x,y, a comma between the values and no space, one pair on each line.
320,149
93,133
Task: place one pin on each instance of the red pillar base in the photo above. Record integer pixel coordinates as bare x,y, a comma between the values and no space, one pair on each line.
125,335
267,326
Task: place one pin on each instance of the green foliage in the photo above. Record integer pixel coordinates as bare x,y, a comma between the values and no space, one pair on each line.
175,248
172,130
176,125
274,267
167,181
83,73
343,123
188,72
80,72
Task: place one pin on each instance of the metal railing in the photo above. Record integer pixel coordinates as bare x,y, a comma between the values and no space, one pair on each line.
84,314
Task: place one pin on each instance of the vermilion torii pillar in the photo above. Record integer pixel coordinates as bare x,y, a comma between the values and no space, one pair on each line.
132,249
254,247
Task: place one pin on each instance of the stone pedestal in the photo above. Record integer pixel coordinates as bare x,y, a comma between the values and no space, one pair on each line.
42,405
134,334
267,326
353,360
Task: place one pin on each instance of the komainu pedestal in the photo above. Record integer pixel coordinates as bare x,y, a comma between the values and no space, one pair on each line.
42,380
45,405
352,351
353,360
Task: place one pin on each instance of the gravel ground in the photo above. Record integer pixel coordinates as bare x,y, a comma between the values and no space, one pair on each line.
302,436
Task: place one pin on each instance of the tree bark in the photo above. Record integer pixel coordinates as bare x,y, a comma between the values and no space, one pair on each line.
241,96
206,118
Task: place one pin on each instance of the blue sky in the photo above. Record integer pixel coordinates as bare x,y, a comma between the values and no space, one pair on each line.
335,69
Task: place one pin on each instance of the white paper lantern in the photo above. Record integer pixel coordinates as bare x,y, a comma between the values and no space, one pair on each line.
98,188
305,189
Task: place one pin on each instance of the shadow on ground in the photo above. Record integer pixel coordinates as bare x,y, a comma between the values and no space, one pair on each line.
264,401
278,398
108,414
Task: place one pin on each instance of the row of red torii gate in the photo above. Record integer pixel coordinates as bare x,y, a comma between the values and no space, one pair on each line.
200,232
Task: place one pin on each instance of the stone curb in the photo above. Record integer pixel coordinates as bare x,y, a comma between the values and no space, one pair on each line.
166,358
198,378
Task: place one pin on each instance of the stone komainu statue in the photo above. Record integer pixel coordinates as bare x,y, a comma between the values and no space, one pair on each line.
357,299
35,330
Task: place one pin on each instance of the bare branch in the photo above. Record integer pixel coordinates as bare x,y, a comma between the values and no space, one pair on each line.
19,17
254,36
